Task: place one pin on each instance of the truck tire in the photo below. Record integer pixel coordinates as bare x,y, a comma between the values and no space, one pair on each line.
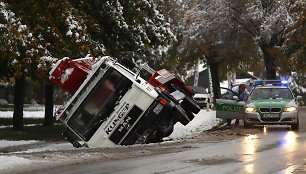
181,115
70,137
149,136
190,115
168,132
191,104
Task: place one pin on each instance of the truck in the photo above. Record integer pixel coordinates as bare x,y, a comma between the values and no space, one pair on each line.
111,104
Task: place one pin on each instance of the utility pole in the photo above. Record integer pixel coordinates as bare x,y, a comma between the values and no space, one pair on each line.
210,89
196,75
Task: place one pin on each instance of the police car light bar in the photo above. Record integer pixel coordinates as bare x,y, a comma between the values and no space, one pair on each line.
271,82
284,82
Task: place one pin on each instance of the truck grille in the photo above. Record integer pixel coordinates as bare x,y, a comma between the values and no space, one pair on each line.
268,110
126,124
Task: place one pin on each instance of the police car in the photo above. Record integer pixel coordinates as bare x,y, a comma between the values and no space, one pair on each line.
270,102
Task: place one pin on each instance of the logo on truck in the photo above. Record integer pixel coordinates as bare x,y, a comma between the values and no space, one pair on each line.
121,114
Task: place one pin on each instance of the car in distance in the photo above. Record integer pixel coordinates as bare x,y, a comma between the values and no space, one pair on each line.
272,103
201,96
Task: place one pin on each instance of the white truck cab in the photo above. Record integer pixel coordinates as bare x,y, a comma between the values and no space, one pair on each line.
115,106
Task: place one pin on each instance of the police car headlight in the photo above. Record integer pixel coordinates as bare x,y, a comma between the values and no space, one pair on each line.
250,109
290,109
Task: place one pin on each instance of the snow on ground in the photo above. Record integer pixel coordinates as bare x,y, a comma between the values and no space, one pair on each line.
12,161
29,112
202,121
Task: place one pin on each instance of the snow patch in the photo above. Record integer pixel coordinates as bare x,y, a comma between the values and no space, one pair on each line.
6,143
204,120
66,75
12,161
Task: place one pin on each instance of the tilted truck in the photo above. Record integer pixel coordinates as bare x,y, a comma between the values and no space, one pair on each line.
112,105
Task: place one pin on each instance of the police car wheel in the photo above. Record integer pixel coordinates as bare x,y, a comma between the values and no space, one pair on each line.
245,125
295,126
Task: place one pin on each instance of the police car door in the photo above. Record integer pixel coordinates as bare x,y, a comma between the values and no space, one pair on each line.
229,109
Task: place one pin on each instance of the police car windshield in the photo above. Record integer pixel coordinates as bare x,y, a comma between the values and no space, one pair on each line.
271,93
99,104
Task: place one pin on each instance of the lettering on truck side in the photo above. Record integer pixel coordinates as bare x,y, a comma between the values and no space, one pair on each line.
121,114
125,124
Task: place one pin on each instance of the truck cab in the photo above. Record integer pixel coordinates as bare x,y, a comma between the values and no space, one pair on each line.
113,105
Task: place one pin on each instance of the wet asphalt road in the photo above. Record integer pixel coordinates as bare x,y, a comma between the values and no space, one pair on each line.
276,149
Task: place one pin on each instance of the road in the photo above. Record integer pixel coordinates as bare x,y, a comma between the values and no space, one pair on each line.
277,151
273,149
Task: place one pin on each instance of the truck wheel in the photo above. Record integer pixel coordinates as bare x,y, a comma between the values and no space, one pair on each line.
181,115
168,132
71,138
191,104
150,136
190,115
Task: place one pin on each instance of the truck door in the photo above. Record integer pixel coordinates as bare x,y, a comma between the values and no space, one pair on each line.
229,109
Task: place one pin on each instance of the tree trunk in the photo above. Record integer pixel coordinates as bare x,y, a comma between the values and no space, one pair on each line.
215,80
19,96
49,118
269,61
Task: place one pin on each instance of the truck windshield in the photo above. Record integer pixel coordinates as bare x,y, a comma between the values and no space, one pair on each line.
99,104
271,93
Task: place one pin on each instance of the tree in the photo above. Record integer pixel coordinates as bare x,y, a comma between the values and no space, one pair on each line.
49,22
208,35
18,40
269,22
134,29
294,50
38,32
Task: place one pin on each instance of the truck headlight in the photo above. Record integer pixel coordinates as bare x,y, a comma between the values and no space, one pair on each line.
250,109
290,109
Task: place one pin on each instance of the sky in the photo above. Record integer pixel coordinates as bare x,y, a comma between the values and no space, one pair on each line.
204,120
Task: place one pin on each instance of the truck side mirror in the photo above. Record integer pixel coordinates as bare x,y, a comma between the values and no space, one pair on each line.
128,63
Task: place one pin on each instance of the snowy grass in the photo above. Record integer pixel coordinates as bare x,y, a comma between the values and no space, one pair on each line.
33,132
4,122
30,112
